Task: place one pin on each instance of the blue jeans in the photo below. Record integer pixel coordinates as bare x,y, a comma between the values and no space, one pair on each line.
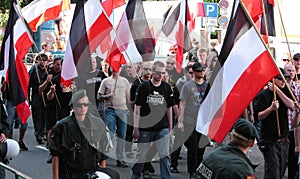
12,115
117,118
161,140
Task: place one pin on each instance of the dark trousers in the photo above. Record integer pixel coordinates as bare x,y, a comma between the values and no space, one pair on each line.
39,118
293,157
190,138
276,159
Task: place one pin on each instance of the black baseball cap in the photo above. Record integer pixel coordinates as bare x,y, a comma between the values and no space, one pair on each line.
198,66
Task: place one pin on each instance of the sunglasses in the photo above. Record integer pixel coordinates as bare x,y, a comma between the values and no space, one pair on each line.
146,69
170,63
190,72
159,72
199,70
80,105
285,60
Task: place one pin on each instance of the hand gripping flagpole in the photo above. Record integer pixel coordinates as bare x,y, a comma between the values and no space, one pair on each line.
273,80
17,8
268,50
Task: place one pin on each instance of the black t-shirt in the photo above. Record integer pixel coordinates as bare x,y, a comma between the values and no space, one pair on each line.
154,101
89,82
134,87
269,129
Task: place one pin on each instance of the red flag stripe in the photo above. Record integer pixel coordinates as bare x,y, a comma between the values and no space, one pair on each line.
98,31
22,45
16,42
41,11
23,111
241,97
110,5
241,65
97,26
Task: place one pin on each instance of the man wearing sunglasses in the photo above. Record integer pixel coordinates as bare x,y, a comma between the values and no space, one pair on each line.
171,69
153,120
191,97
78,142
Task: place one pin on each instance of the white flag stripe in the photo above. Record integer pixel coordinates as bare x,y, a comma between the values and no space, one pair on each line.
92,10
243,53
125,37
68,67
6,56
38,7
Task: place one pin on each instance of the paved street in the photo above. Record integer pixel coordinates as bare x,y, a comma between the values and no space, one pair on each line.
33,162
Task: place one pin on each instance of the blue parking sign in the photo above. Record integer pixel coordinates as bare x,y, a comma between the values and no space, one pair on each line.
211,9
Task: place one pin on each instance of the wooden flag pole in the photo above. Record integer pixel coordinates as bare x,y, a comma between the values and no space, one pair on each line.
268,50
273,80
22,18
118,38
286,39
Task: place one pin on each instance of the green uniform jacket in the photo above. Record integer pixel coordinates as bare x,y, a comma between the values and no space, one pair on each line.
76,144
227,162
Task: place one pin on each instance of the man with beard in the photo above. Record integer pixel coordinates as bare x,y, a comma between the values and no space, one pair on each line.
153,120
146,68
191,97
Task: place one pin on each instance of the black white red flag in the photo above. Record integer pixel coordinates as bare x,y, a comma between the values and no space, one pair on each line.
15,45
134,41
89,27
244,67
178,23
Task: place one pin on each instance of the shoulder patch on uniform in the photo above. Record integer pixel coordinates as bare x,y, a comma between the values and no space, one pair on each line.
204,171
251,177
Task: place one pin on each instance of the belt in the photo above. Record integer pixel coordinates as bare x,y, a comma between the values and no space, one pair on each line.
283,140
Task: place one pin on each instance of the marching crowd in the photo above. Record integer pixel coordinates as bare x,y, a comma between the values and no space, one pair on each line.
147,103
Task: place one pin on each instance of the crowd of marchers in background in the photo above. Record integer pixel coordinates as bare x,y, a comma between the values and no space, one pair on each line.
153,105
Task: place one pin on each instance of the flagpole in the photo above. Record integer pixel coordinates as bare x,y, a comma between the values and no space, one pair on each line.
273,80
255,28
286,39
118,38
17,9
34,59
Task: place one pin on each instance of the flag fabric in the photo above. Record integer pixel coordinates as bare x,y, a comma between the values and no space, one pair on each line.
171,22
134,41
254,8
269,8
15,45
244,67
40,11
196,9
89,27
110,5
178,23
106,44
183,40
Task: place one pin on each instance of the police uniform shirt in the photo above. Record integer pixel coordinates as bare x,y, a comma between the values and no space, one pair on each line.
227,162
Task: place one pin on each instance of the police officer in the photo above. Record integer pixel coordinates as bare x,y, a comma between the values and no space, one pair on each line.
231,161
78,142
